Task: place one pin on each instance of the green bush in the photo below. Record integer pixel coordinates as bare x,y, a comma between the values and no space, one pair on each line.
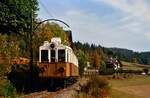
131,71
6,89
108,71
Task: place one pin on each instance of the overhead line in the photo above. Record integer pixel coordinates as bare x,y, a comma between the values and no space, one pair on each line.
45,9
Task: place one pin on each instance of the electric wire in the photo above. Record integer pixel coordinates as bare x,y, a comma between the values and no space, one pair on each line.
45,9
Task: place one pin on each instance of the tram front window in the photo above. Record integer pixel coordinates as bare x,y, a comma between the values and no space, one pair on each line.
44,55
61,55
53,56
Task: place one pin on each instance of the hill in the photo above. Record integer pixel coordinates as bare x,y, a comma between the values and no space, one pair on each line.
122,54
131,56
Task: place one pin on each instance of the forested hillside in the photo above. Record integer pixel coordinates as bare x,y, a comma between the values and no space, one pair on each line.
120,53
88,53
131,56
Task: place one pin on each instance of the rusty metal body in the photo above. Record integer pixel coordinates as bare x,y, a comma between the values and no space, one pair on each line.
58,70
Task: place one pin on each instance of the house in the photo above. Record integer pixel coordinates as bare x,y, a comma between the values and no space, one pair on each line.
113,63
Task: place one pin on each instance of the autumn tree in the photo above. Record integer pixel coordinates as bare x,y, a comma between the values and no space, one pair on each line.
96,59
9,49
93,52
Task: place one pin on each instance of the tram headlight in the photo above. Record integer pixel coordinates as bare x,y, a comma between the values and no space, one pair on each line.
61,69
52,45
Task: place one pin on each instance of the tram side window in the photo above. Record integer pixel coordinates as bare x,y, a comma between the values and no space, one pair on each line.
67,56
53,56
61,55
44,55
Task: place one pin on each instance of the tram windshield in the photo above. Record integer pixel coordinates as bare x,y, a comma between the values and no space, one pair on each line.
44,55
53,56
61,55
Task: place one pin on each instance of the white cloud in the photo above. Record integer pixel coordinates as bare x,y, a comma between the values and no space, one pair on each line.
88,27
136,12
147,35
138,8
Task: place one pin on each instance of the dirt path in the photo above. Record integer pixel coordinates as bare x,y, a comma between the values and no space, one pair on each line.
140,90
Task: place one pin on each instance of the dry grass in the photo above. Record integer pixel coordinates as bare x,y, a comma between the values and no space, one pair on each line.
134,66
119,94
135,87
97,87
132,81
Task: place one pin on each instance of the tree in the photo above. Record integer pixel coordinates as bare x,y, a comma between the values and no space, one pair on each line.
15,15
94,53
82,58
96,59
9,49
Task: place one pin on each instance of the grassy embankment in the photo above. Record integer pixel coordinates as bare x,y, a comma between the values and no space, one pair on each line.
131,87
134,66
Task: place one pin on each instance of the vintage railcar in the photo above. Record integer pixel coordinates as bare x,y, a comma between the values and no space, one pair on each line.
57,61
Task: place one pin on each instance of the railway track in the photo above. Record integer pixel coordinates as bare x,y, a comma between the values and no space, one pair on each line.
42,94
69,92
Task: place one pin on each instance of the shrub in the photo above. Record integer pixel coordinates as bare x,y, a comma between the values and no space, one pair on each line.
7,89
145,70
97,87
108,71
132,71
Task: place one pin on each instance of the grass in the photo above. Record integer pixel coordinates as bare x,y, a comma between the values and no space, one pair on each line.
120,86
118,94
134,66
133,81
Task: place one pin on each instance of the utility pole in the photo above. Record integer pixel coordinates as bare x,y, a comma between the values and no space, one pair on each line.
30,40
31,48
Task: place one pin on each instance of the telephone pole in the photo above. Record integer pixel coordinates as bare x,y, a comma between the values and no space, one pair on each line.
31,39
31,48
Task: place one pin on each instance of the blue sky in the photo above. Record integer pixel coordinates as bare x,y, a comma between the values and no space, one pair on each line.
110,23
